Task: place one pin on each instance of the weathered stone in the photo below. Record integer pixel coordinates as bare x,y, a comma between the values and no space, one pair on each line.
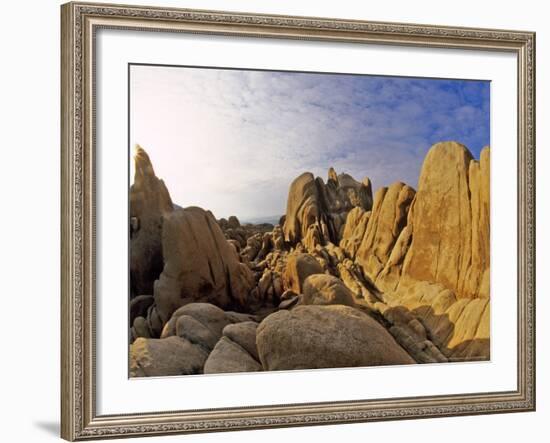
450,220
302,208
322,289
196,332
139,306
233,222
316,212
227,356
237,317
244,334
309,337
140,328
298,268
200,265
388,279
289,302
167,356
149,202
389,217
477,275
354,230
206,316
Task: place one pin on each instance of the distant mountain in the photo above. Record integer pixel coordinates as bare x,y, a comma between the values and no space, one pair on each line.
271,219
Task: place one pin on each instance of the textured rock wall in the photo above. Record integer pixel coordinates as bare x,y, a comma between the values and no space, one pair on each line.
428,251
450,222
200,264
389,217
149,202
344,281
316,212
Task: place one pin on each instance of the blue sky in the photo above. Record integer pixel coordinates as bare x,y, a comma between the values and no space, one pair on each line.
232,141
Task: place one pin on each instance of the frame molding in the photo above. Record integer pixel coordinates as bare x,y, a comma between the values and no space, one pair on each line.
79,21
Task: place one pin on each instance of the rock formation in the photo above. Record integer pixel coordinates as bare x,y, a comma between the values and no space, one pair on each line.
450,222
236,350
322,289
388,218
298,268
162,357
149,202
337,336
343,280
200,265
316,212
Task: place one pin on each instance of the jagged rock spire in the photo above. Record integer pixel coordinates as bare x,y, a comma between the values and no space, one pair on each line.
149,202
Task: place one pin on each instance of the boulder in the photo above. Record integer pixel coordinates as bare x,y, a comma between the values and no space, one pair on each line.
139,306
289,303
298,268
228,356
140,328
149,203
199,323
163,357
233,222
323,289
309,337
244,334
302,208
253,246
200,265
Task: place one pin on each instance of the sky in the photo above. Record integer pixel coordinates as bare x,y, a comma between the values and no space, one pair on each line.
232,141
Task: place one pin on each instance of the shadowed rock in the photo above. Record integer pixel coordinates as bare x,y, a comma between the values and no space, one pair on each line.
228,356
165,356
388,218
149,202
200,265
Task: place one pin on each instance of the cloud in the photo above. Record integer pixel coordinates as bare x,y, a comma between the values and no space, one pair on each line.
232,141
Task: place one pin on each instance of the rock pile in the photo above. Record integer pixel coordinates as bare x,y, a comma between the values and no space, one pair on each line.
343,280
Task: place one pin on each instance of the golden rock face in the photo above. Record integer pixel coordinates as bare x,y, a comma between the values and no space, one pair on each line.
450,221
339,273
199,264
426,251
316,211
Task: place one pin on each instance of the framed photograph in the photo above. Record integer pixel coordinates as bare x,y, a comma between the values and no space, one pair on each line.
282,221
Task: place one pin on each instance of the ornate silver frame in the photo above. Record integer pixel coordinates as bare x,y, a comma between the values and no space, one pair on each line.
80,21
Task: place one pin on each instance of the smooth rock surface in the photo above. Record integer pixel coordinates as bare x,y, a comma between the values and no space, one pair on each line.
322,289
298,268
244,334
164,357
200,265
227,356
450,221
309,337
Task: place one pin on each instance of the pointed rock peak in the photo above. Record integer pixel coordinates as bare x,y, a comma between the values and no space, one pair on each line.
332,175
367,183
143,164
485,153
